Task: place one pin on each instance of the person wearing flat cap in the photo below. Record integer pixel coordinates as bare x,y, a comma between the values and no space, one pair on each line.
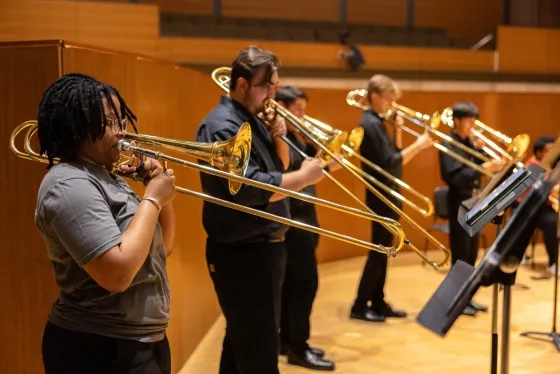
462,182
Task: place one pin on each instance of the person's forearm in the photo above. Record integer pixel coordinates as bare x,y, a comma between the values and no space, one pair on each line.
283,151
293,181
136,243
398,138
167,222
409,152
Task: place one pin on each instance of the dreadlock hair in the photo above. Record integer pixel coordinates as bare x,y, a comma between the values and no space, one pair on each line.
71,111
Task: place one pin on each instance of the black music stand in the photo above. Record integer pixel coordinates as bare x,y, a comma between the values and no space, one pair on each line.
490,203
498,266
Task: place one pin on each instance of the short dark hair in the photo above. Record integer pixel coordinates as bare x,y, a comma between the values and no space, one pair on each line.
71,111
249,62
465,109
541,143
289,94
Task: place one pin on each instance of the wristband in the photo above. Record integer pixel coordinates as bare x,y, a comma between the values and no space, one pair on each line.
154,201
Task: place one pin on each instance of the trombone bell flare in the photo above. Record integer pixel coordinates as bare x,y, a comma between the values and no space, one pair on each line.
354,140
195,149
231,155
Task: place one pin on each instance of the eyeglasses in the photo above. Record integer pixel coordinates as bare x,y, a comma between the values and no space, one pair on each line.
116,126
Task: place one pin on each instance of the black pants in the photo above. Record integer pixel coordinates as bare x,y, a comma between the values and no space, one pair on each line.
547,223
247,280
372,283
462,246
68,352
301,282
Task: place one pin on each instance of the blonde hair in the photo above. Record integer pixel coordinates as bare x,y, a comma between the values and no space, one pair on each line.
381,84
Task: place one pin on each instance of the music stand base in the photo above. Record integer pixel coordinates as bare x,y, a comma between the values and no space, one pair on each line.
553,335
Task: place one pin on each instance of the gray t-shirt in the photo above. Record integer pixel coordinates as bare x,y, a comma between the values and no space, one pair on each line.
82,210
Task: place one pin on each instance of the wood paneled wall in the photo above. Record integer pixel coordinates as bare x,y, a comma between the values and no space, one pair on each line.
541,50
318,10
377,12
183,6
126,27
26,277
325,56
135,28
471,20
549,13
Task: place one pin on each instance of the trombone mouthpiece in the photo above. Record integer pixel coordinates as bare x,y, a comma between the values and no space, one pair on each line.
124,146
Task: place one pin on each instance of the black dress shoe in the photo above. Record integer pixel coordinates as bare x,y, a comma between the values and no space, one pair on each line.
316,351
478,307
469,311
309,360
388,311
368,315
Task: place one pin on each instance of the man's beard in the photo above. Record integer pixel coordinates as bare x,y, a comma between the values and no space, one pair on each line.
260,108
257,108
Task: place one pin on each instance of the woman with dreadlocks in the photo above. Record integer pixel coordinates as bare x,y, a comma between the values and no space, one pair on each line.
108,246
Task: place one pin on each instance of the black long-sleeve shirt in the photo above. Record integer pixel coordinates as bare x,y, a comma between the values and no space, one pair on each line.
460,178
226,225
302,210
378,147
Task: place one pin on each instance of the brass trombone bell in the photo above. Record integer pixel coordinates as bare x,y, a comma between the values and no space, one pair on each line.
204,151
231,156
353,139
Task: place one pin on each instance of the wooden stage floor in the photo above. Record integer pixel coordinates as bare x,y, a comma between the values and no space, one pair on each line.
403,346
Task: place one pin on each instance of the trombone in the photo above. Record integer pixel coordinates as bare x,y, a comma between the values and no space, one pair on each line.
230,159
516,147
311,129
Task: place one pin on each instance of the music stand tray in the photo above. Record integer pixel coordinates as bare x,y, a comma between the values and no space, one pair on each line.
490,203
